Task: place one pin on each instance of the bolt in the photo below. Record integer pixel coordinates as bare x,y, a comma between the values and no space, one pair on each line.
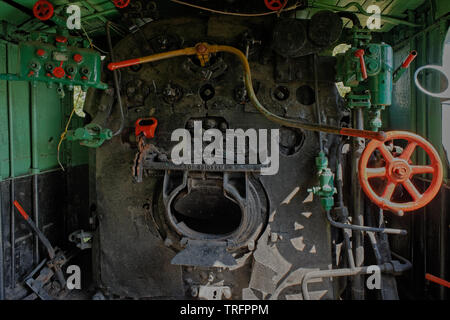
279,94
194,292
251,245
273,237
211,277
201,48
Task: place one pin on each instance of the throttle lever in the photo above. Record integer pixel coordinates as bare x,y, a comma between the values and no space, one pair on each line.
360,54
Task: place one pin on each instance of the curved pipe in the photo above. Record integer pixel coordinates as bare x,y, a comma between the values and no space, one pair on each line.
203,49
393,267
351,16
116,81
363,228
338,273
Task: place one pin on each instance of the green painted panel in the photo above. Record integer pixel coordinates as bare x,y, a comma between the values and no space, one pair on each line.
52,114
19,104
4,143
442,8
49,126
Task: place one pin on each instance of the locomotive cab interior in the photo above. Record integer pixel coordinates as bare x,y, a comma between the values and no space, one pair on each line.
224,150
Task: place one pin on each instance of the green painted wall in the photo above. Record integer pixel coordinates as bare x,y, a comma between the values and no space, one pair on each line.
412,109
15,123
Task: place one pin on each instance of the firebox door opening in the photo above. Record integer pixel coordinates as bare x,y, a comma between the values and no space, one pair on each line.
207,211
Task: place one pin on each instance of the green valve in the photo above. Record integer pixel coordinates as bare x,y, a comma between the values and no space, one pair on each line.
368,69
92,135
326,190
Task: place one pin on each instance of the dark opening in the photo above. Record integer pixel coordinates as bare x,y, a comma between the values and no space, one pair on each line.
207,92
306,95
207,211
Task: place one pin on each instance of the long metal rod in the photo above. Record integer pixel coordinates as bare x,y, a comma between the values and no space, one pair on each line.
358,206
364,228
45,242
35,166
2,255
358,271
116,81
317,98
11,169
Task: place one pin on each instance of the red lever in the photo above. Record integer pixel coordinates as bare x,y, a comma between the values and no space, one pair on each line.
437,280
21,210
147,126
360,54
409,59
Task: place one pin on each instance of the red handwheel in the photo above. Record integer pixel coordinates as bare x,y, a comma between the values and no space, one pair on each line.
121,3
379,179
275,5
43,10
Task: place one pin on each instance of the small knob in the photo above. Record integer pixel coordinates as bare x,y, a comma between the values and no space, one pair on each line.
77,58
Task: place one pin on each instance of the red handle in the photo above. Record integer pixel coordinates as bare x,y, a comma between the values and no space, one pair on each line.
409,59
21,210
437,280
147,126
122,64
360,54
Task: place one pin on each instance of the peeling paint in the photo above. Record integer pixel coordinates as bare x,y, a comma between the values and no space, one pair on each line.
291,196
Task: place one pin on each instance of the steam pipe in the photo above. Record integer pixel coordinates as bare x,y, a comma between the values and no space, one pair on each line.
391,267
364,228
116,80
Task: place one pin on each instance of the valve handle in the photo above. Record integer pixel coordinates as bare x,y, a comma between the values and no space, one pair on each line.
398,170
147,126
410,58
360,54
275,5
121,3
43,10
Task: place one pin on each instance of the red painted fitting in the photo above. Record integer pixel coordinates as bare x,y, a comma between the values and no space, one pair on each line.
360,54
43,10
77,58
21,210
61,39
40,52
148,130
127,63
409,59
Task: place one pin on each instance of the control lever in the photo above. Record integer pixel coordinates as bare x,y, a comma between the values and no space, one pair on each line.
56,260
360,54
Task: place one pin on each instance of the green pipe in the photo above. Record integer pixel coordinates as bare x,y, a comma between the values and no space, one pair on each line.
386,18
